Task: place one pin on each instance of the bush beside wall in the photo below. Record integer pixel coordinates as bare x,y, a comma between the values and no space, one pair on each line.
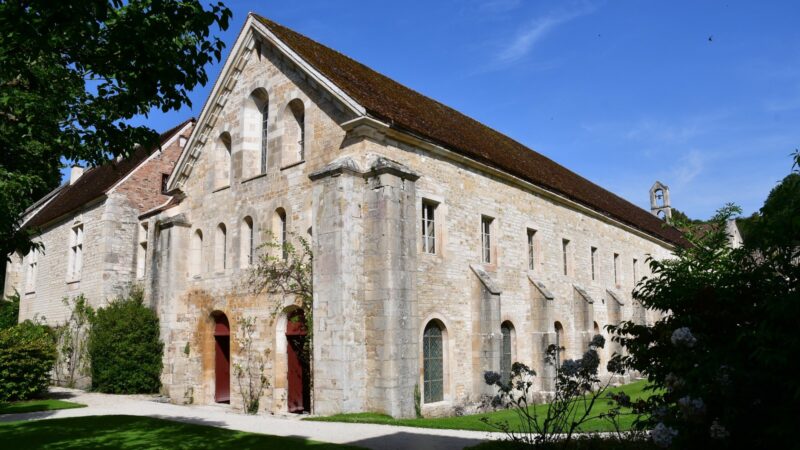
27,355
124,347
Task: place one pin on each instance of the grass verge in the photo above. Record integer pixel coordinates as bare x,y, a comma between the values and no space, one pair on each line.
37,405
473,422
132,432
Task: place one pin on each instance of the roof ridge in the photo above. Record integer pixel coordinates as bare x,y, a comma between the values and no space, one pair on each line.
431,119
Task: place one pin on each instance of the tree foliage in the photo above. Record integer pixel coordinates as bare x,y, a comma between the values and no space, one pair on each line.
124,347
9,311
250,367
74,73
721,360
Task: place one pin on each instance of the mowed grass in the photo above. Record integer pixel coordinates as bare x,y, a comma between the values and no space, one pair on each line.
473,422
131,432
37,405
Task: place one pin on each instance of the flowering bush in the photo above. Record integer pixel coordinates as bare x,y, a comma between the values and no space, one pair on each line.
721,360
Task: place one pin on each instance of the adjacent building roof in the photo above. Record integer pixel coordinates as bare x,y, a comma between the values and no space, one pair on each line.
95,182
410,111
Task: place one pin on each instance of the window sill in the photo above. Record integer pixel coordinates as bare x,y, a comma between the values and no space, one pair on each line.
73,280
254,177
289,166
221,188
27,292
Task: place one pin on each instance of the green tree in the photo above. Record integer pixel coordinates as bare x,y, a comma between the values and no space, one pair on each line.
9,311
72,76
721,359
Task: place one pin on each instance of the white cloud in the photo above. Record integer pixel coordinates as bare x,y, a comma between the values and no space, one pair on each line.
536,30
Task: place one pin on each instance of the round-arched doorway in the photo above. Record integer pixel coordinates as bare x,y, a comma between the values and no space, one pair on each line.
222,358
298,376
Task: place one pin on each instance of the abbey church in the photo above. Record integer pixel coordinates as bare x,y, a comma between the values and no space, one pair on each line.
442,248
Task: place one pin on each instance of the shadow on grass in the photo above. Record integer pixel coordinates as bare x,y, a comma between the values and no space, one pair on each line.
406,440
133,432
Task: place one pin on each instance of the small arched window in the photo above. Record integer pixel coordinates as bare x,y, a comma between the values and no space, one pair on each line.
196,257
506,357
247,242
223,168
294,133
255,141
433,363
561,350
220,248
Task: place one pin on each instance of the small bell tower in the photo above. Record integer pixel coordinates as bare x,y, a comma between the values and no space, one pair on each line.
659,201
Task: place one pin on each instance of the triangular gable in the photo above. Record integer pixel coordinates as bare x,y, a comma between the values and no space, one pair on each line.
251,34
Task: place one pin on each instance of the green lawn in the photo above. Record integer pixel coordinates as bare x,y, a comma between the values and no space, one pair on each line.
37,405
473,422
130,432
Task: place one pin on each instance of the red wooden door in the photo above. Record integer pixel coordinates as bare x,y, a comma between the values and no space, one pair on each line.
222,360
298,376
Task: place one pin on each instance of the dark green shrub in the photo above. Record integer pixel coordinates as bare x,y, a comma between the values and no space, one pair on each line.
9,311
124,347
27,354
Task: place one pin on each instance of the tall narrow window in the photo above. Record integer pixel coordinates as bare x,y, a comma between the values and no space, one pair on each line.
433,363
635,271
531,249
221,248
279,228
593,252
616,269
264,136
141,254
506,358
294,122
486,239
75,264
196,257
223,169
32,270
246,242
428,227
565,255
561,350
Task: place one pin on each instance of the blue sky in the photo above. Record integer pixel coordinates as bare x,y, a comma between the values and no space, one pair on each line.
701,95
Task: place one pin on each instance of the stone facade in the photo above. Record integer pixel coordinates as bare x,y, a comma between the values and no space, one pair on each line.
110,235
355,187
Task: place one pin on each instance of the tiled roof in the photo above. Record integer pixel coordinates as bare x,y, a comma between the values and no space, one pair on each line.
95,182
408,110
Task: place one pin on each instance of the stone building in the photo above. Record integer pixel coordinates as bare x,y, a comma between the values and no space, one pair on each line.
90,232
442,248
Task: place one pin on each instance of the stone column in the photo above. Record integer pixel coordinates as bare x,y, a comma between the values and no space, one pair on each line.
543,335
489,338
339,352
390,253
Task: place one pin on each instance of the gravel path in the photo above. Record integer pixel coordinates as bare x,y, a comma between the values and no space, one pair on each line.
378,437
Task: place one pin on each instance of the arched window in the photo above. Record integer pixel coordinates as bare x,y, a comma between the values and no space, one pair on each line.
222,170
294,133
196,257
255,136
506,357
279,230
246,242
220,248
433,363
561,350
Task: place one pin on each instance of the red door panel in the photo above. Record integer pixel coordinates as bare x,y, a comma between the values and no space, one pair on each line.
222,369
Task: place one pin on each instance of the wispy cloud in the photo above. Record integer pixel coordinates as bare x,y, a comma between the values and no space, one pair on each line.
535,31
499,6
